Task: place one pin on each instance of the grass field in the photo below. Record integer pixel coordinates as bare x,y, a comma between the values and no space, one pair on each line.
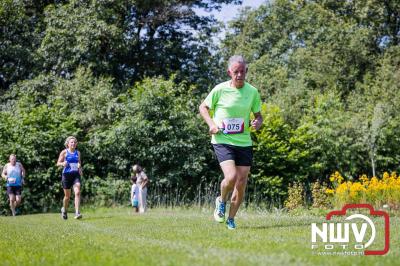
169,237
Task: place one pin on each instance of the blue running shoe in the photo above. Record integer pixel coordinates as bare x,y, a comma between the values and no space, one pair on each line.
219,212
230,223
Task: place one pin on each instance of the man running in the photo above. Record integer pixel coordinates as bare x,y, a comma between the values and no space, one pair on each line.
232,102
14,174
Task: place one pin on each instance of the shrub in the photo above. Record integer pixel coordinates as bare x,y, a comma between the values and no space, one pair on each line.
319,196
295,197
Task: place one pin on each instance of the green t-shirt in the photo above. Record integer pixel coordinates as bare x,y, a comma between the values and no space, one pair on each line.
232,109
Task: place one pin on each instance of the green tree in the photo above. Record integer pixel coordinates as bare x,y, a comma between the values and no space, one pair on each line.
36,120
376,116
130,40
303,41
325,63
17,43
36,134
281,154
157,126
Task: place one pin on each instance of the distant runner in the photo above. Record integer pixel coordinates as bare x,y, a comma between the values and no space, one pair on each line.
141,181
70,159
232,102
14,174
135,194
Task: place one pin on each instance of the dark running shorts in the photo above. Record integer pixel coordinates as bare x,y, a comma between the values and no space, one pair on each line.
70,179
243,156
16,190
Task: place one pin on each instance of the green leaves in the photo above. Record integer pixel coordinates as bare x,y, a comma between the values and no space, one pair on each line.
126,77
75,35
157,127
326,65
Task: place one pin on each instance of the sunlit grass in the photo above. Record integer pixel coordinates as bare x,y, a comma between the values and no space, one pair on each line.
169,237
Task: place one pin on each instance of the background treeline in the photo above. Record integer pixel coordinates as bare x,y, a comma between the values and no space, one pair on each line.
126,77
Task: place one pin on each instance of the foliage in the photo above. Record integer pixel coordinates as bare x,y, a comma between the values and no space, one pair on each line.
375,115
131,40
18,43
126,77
35,128
107,192
319,196
332,71
34,134
279,153
127,40
156,126
295,197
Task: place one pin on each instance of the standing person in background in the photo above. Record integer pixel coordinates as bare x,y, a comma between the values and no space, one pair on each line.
135,194
70,160
142,182
14,174
232,102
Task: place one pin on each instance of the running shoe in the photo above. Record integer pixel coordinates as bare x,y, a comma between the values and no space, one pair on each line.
64,214
230,223
219,212
78,215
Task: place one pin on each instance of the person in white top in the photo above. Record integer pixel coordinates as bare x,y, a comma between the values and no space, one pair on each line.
142,182
14,174
135,194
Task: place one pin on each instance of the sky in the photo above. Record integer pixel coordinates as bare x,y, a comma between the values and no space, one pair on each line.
228,12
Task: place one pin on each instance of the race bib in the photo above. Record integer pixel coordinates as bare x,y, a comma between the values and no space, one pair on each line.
11,180
73,166
232,125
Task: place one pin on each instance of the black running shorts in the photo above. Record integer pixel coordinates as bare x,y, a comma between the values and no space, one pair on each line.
243,156
15,190
70,179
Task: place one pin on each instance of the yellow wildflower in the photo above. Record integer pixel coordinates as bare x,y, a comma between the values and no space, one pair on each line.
329,191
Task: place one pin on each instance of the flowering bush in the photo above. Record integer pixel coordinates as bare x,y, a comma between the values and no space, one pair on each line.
319,195
295,197
375,191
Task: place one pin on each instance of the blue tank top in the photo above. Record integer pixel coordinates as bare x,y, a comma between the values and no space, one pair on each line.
72,160
14,175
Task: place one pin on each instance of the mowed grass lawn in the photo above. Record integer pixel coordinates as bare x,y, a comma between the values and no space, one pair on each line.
169,237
